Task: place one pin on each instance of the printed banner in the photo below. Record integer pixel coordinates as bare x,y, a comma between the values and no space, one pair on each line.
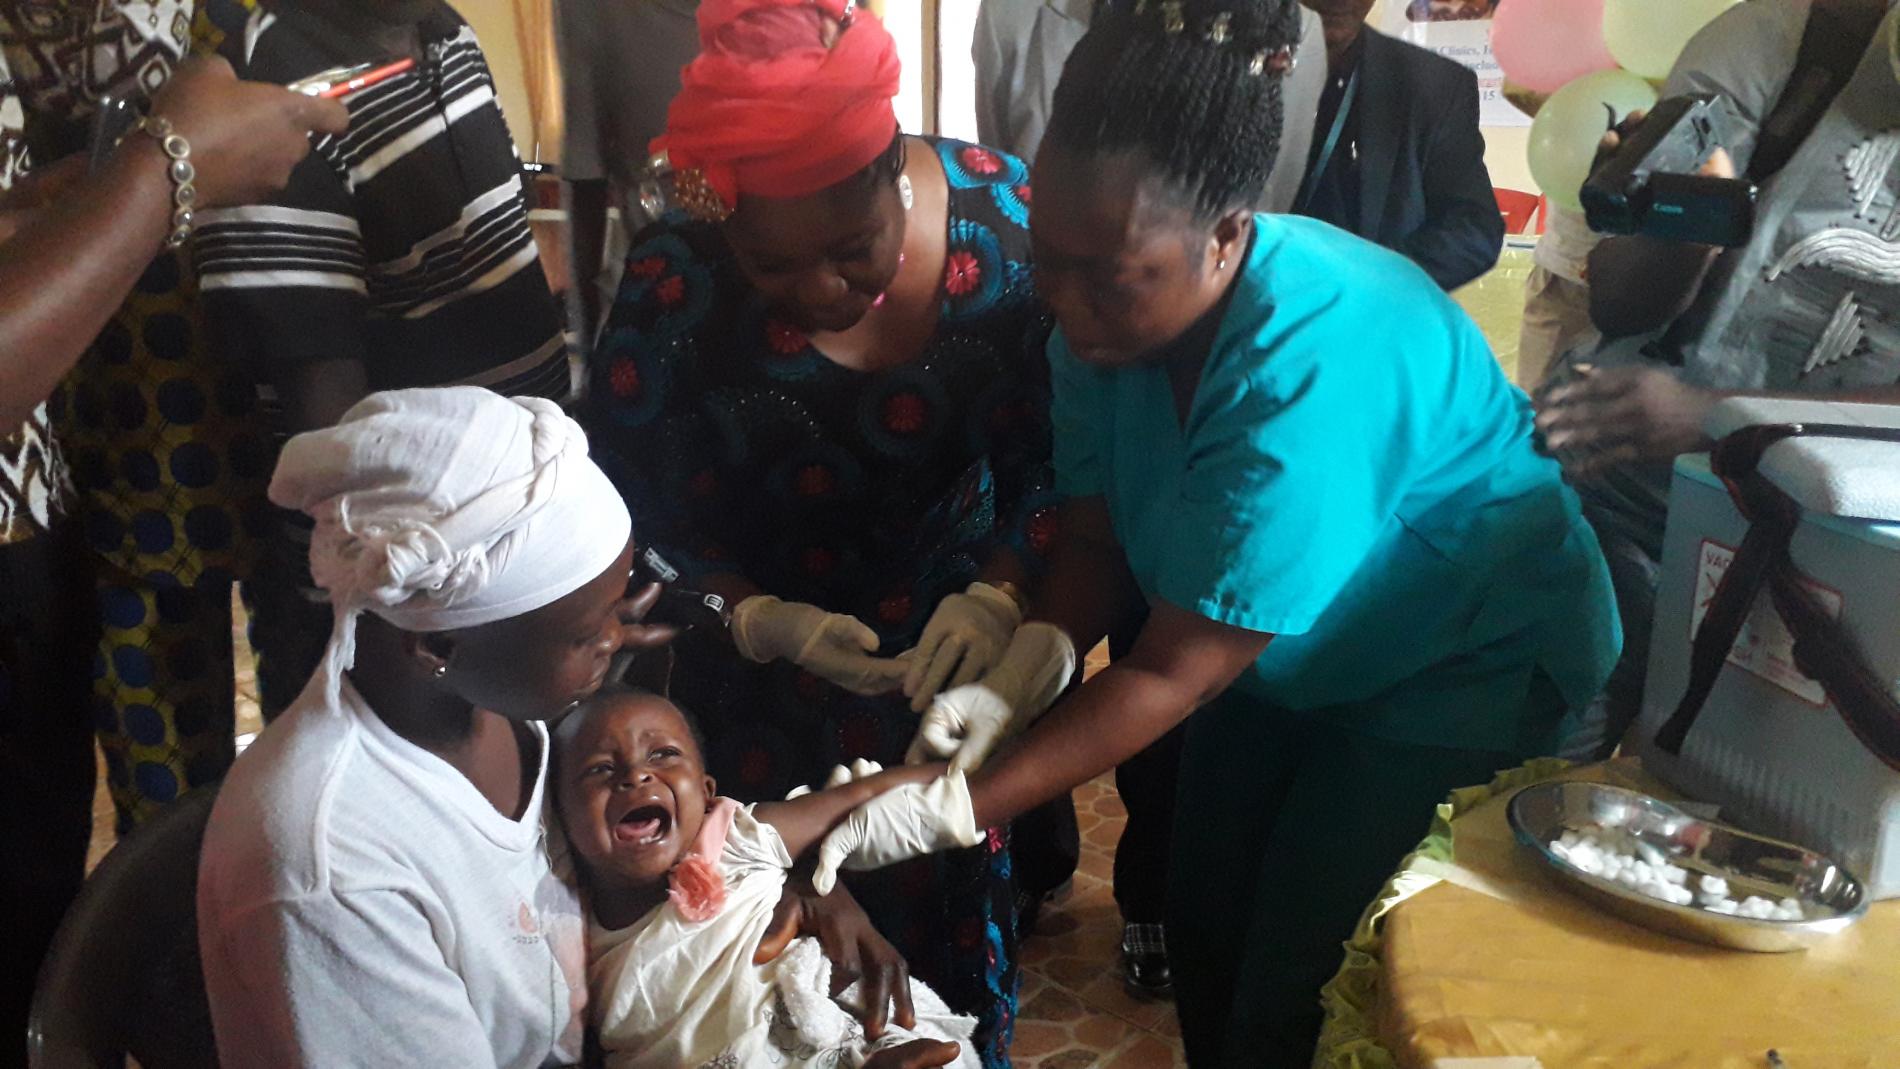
1459,30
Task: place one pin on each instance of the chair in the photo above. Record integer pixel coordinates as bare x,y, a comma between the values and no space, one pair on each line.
1518,209
123,976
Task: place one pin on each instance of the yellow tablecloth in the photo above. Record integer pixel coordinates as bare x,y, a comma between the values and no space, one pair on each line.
1473,952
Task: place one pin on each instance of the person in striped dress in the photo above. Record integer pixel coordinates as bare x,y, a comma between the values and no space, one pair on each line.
399,256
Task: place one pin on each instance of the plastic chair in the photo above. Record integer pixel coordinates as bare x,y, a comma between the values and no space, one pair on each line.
1519,208
123,976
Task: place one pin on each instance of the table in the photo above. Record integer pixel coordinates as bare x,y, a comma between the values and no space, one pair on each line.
1473,952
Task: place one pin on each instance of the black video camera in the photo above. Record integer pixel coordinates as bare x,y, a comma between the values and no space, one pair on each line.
1650,186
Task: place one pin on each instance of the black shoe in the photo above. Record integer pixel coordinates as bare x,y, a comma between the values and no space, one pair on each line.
1145,971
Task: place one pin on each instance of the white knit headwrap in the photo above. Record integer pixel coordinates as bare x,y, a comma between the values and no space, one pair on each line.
448,508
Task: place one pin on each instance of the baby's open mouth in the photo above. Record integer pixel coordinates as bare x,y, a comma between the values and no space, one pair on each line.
643,825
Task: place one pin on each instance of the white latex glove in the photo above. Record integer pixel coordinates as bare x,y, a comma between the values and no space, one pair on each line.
911,821
841,775
965,724
963,640
829,645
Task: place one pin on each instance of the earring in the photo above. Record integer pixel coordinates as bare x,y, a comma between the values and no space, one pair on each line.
441,670
1220,264
904,192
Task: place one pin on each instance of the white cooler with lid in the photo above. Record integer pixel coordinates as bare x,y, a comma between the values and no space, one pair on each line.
1769,747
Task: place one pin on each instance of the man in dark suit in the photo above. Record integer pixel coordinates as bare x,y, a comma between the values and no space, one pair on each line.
1397,157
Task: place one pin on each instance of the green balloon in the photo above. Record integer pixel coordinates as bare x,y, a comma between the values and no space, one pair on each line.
1646,36
1568,128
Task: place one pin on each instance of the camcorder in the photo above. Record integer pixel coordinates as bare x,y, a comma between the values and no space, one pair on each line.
1650,185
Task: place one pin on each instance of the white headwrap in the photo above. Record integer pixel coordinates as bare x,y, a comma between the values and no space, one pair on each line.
448,508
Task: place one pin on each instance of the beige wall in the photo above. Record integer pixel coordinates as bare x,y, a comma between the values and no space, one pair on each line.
494,23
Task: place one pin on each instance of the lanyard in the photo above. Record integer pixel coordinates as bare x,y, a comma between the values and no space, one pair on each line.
1332,142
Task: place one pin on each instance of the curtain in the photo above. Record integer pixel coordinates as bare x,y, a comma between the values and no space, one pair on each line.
534,31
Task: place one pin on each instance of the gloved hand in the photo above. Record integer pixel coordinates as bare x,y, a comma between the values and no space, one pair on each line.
841,775
965,724
829,645
963,639
911,821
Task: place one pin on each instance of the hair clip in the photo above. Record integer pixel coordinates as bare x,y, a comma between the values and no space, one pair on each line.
1217,30
1278,61
1172,19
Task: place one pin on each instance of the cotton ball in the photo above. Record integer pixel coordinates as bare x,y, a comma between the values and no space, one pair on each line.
1650,854
1676,875
1726,907
1714,886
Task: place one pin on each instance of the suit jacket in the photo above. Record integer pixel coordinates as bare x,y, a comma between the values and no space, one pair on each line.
1020,46
1423,187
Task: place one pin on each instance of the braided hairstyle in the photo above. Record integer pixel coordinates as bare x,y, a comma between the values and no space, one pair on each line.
1194,85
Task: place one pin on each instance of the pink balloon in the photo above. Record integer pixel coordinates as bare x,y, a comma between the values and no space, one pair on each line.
1544,44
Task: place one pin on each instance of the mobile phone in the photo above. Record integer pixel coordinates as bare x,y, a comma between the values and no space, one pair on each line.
116,116
677,605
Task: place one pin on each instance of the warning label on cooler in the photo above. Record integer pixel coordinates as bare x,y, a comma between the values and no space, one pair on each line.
1764,647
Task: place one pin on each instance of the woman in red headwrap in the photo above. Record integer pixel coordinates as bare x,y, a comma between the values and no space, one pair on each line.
823,388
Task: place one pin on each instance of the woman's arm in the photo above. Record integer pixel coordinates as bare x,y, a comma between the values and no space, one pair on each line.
1179,663
803,821
1087,588
67,268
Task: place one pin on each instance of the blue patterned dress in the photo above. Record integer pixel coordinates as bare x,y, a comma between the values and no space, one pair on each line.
743,449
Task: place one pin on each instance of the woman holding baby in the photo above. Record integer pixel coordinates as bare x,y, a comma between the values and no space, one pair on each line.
378,884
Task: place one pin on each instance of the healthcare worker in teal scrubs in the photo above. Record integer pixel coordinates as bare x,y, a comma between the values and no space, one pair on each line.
1363,582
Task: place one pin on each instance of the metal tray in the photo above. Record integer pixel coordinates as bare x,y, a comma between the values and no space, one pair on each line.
1753,865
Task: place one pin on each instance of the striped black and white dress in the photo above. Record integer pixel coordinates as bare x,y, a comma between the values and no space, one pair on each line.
403,244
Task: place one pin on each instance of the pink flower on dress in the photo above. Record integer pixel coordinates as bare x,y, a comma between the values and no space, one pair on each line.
649,268
672,291
905,413
895,608
695,889
785,339
980,161
1026,195
814,480
624,379
961,273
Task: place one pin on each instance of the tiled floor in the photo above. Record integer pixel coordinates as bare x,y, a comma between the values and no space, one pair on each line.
1074,1012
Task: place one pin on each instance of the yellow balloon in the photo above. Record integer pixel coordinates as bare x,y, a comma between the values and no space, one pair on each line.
1570,125
1646,36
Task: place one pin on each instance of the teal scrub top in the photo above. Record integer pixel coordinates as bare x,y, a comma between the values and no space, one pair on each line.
1356,477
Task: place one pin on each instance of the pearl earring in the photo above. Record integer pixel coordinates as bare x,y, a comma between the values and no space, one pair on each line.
904,192
441,670
1220,264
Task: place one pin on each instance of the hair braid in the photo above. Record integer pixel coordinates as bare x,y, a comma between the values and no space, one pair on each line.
1193,84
